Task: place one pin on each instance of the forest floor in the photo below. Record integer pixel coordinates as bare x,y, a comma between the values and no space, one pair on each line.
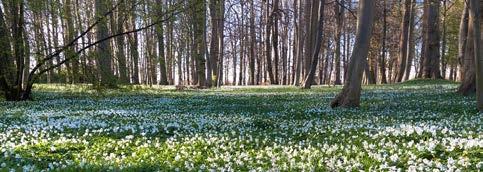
411,126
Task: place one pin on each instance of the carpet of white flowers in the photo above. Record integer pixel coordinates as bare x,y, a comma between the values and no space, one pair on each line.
415,126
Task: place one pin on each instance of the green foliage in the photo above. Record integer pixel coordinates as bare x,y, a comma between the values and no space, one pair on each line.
416,124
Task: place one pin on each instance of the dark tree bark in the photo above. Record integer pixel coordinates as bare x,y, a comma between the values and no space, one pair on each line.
120,42
275,18
476,22
432,55
104,52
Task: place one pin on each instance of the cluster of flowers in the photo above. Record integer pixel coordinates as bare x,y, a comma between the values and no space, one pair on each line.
400,130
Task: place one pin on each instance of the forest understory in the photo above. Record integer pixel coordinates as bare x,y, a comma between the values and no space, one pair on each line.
411,126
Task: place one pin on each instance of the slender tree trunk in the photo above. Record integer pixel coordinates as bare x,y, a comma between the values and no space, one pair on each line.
411,44
404,41
382,61
163,75
253,38
443,40
350,95
463,35
275,18
338,33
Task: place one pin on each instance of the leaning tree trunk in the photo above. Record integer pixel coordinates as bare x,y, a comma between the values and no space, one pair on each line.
350,95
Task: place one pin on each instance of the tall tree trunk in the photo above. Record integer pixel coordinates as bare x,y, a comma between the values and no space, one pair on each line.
443,40
120,43
317,31
382,60
431,42
199,19
253,39
350,95
163,76
338,33
7,69
70,35
221,42
300,29
216,19
404,41
463,35
104,52
275,17
268,46
411,44
466,51
476,22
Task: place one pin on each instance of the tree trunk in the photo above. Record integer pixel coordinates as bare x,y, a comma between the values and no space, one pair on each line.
338,33
199,42
443,40
476,22
404,41
253,38
317,31
382,60
463,35
268,46
465,53
275,17
411,43
163,76
431,41
350,95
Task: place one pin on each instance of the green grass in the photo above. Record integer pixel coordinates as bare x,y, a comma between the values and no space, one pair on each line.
420,124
